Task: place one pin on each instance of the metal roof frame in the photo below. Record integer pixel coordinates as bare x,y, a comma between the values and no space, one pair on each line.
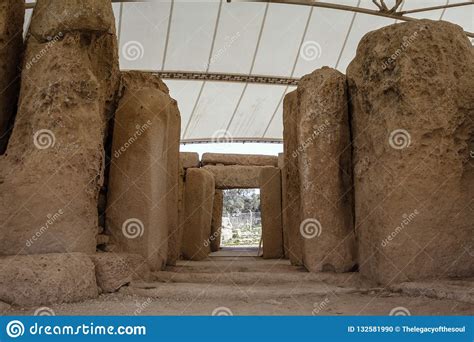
382,11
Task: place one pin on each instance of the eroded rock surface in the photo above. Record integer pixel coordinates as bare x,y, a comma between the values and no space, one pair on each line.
189,159
114,270
239,159
12,14
54,166
325,172
199,200
216,225
235,176
143,189
270,203
292,210
413,122
284,199
175,238
47,278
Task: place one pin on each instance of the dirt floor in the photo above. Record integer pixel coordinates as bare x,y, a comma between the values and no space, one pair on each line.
245,285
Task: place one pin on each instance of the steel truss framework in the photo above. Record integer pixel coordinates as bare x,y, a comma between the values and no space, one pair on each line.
379,10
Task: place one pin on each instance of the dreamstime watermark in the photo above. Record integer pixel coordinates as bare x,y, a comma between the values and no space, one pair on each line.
228,42
318,307
44,139
133,50
400,311
213,237
140,129
407,41
15,329
406,220
310,140
310,50
310,228
51,220
469,250
222,311
36,58
142,306
222,136
399,139
133,228
44,311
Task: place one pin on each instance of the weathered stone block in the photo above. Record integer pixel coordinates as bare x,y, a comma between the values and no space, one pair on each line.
55,161
114,270
47,279
199,200
325,172
412,118
292,210
235,176
175,238
51,17
143,188
12,14
189,159
239,159
216,224
270,204
284,203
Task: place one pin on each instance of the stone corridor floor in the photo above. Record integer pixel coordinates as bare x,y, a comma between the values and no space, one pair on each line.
245,285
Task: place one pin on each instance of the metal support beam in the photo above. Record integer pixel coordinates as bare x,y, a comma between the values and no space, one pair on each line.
396,15
433,8
232,140
224,77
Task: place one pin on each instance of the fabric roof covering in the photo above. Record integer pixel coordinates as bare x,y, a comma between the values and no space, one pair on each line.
283,41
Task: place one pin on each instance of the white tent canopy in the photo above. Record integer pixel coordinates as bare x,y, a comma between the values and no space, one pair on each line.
208,53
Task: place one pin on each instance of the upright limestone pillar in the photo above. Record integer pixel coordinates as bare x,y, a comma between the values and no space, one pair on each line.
199,200
270,203
292,210
284,199
216,225
143,192
52,173
325,172
413,122
12,13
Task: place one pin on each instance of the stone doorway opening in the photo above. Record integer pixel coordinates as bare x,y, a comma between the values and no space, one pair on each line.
241,223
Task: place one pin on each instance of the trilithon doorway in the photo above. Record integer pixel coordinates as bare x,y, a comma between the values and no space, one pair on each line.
241,227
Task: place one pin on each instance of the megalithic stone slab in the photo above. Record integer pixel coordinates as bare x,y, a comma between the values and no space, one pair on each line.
199,200
189,159
412,117
216,225
143,189
114,270
270,203
12,14
284,198
175,238
325,172
292,209
47,279
52,173
239,159
235,176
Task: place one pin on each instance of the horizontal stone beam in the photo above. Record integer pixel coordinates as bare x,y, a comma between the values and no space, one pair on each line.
189,159
239,159
235,176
